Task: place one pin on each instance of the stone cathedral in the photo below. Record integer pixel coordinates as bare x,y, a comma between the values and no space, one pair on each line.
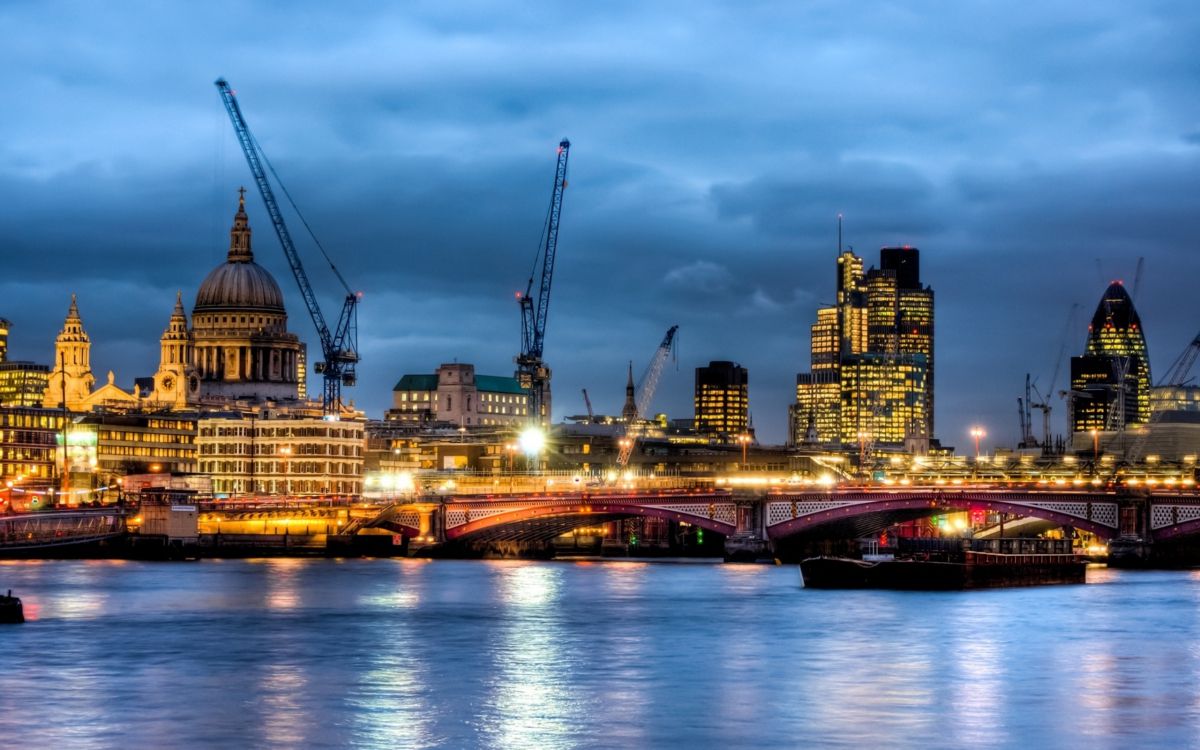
237,348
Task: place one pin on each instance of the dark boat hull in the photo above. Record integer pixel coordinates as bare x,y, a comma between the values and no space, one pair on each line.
11,611
846,573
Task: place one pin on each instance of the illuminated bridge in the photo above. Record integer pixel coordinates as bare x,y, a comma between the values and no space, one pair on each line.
751,517
768,515
42,531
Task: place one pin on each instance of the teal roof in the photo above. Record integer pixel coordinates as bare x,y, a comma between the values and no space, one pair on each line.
417,383
497,384
489,383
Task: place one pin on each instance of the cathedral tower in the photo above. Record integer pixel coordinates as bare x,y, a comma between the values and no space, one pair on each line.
176,383
71,381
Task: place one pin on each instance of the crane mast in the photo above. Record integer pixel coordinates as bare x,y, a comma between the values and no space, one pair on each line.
532,372
588,403
645,394
339,347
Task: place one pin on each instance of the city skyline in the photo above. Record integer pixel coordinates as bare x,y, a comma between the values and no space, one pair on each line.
713,207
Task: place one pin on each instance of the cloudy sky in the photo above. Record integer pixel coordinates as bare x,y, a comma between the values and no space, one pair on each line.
1033,152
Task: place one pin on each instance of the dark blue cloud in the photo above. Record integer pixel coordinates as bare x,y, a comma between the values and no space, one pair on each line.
1031,152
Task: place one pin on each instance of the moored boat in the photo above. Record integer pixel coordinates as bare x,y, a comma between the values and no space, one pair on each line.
11,610
957,565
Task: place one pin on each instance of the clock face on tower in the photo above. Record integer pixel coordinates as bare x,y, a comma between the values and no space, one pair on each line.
168,382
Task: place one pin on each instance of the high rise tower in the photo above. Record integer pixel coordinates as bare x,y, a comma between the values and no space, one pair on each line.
722,400
1111,380
871,375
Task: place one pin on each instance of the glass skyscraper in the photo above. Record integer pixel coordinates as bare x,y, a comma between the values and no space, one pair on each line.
1110,382
872,357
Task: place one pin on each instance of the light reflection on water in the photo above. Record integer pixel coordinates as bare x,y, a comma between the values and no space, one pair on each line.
400,653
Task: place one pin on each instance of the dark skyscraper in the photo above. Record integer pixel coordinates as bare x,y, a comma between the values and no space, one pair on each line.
872,357
1111,381
722,400
905,262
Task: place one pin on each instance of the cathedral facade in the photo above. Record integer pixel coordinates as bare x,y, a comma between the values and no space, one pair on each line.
237,347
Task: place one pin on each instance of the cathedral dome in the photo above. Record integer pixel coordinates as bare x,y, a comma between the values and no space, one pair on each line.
243,285
239,283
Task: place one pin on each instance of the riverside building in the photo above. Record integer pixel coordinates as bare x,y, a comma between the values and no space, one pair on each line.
722,401
872,359
287,454
456,396
21,383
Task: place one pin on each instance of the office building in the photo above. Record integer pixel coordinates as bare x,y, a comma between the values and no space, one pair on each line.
722,401
871,358
1110,381
292,454
455,396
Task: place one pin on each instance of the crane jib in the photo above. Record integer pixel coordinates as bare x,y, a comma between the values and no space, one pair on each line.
550,250
338,349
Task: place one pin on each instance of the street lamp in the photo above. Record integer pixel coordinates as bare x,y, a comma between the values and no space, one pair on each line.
978,434
745,441
1095,446
286,452
532,440
863,437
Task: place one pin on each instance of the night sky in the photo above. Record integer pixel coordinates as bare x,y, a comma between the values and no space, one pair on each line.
1033,152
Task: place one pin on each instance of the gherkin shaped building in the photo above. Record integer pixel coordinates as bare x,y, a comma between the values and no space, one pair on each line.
1116,331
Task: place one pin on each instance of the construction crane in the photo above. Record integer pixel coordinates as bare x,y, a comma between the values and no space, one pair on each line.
532,373
339,347
1181,369
645,394
588,403
1177,376
1026,416
1043,400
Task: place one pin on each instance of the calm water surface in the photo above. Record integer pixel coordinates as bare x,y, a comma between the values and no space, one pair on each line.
409,654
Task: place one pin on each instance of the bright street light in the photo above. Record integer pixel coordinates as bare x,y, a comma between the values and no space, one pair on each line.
532,440
977,433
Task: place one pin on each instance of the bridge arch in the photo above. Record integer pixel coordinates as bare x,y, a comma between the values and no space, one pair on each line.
548,518
874,512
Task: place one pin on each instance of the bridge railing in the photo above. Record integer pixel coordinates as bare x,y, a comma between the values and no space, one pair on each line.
59,526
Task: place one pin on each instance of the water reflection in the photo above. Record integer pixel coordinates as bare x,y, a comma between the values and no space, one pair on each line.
283,720
532,702
318,653
282,592
977,697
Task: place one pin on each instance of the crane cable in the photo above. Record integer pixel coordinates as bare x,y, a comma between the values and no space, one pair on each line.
296,208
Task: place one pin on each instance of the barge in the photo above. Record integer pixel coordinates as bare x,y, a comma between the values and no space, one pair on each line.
935,564
11,610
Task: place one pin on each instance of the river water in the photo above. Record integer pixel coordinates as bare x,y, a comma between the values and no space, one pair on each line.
411,654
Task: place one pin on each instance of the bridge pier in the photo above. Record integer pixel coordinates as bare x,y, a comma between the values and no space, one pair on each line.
749,543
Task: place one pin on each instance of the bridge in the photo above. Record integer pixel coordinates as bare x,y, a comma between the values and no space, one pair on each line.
25,533
754,518
763,517
543,516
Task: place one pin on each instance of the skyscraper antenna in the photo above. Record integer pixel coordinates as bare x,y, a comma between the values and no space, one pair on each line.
839,234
